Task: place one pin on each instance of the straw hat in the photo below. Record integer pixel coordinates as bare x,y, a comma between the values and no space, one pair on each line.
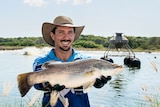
59,21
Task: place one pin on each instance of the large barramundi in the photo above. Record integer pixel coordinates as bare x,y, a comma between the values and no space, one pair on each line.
71,74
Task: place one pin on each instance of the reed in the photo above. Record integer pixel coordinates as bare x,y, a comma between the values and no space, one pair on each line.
152,96
7,86
35,99
154,66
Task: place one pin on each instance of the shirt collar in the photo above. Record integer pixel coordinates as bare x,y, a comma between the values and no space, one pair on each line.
71,58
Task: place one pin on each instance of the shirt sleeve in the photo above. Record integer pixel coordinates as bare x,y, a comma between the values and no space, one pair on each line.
37,66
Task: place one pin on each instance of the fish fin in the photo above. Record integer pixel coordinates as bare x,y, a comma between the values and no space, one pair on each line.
64,101
50,64
87,86
89,73
54,98
23,85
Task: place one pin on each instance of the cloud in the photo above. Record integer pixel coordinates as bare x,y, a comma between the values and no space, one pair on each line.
61,1
39,3
74,2
35,2
77,2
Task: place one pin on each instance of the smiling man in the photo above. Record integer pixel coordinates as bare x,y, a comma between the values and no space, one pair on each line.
60,35
63,37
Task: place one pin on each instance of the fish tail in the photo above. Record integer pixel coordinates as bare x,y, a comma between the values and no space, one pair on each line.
54,98
23,85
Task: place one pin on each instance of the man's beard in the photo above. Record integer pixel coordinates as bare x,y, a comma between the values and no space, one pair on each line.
65,49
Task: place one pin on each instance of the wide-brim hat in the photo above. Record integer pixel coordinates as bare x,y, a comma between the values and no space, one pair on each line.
59,21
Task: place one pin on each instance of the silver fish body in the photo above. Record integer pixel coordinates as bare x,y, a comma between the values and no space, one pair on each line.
71,74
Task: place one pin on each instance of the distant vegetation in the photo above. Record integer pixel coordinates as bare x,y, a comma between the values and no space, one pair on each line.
85,41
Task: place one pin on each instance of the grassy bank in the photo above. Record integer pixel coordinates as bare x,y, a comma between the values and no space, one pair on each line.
10,47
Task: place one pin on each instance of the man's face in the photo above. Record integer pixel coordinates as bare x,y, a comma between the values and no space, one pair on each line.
63,37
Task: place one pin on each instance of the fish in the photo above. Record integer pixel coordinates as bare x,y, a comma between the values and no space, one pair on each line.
70,74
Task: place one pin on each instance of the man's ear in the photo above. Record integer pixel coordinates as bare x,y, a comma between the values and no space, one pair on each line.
52,35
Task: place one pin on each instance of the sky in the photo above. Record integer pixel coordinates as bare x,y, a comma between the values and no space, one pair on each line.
24,18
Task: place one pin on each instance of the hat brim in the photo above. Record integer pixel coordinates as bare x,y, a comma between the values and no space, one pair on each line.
48,27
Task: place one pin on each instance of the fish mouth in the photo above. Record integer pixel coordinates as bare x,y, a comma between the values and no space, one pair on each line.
117,66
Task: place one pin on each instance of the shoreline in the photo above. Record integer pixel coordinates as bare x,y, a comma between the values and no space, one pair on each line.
10,48
3,48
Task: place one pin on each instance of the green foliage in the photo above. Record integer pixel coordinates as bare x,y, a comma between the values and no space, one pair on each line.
25,41
88,44
91,41
150,43
86,41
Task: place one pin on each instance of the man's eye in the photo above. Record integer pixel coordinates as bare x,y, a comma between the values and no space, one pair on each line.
60,33
71,33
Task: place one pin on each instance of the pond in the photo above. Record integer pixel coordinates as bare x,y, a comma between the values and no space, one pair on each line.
130,88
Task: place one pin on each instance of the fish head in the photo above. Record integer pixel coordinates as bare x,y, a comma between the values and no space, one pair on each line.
108,67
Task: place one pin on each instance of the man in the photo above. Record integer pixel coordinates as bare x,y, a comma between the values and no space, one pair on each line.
61,34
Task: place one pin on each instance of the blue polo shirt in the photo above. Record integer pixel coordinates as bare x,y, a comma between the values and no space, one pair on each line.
75,100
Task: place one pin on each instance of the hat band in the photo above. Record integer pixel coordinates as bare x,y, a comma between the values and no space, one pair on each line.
64,24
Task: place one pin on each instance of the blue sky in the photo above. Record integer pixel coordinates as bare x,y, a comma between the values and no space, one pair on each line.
21,18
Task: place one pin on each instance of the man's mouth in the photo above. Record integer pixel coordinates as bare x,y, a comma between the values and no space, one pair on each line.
65,42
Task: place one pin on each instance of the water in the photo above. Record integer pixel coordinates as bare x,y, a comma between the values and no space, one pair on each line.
128,89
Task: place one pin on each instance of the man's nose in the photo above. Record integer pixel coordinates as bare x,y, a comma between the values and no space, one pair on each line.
66,36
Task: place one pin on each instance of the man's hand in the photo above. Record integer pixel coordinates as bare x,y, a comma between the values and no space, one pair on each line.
58,87
47,87
102,81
